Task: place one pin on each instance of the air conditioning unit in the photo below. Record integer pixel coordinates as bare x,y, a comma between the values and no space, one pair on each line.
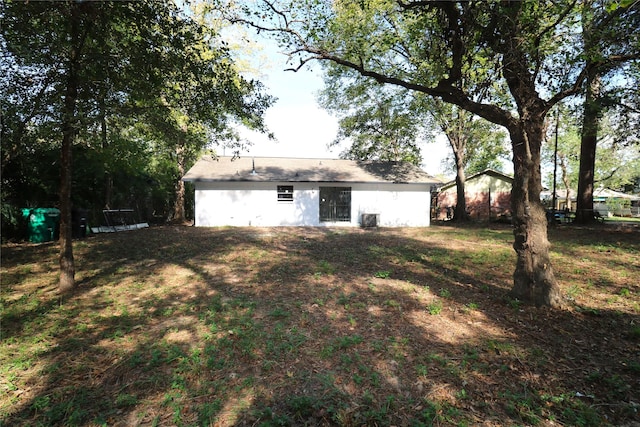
370,220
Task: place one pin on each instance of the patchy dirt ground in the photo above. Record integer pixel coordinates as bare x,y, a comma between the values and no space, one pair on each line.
305,326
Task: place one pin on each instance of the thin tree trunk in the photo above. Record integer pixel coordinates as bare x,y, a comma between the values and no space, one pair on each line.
108,191
178,207
565,181
67,263
108,178
456,137
460,212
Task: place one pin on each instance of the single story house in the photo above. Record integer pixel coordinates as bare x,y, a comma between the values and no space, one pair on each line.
487,195
265,191
561,199
614,203
605,201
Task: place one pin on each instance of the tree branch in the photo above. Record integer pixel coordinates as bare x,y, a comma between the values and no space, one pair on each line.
608,176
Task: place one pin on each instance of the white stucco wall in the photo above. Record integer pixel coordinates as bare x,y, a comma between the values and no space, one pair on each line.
256,204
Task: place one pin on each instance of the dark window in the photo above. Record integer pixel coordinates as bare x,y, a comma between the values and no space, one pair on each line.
335,204
285,193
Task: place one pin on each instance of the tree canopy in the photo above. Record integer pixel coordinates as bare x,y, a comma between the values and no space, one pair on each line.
379,122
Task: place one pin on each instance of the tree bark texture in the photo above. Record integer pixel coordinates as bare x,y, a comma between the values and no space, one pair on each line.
455,132
67,263
108,178
533,278
588,144
460,212
565,181
178,207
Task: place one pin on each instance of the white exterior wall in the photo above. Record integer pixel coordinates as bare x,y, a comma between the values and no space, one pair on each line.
256,204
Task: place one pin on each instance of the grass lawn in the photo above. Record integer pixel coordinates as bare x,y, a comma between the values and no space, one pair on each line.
622,219
303,326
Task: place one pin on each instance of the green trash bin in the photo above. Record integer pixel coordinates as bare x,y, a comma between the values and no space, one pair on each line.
42,224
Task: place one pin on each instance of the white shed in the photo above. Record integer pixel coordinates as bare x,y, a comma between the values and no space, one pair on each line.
268,191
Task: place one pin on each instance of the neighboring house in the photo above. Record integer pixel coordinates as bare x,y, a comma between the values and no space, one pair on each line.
309,192
614,203
487,195
606,202
546,196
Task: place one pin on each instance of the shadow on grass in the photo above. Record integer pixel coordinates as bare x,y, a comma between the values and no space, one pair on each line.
186,326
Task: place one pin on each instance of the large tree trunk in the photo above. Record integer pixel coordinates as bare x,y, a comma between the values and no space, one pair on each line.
533,278
588,143
590,118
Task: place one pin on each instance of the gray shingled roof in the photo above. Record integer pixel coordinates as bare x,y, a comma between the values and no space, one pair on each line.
279,169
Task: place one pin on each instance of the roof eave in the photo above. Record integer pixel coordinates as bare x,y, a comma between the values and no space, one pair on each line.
189,179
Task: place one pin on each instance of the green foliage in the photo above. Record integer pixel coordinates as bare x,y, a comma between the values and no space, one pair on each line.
434,307
148,79
348,341
341,344
524,406
476,144
515,304
391,303
391,123
472,306
125,399
325,267
279,313
383,274
445,293
380,123
634,332
617,161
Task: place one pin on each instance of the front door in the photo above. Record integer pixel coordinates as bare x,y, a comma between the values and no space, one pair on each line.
335,204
